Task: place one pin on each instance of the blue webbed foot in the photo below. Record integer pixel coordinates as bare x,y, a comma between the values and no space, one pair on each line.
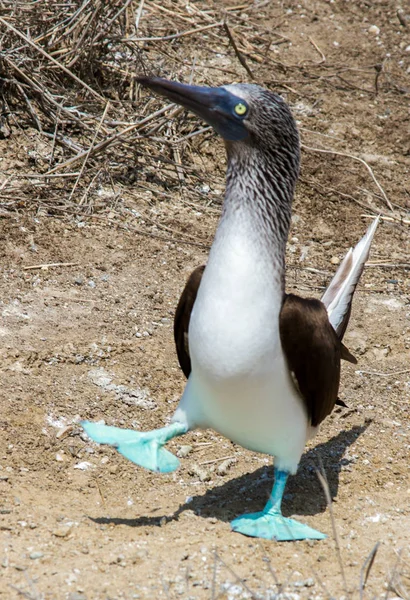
270,523
142,448
274,527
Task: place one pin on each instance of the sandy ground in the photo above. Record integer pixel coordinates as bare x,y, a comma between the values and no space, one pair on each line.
93,340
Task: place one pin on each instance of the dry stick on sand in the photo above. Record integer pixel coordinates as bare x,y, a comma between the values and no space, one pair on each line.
393,575
89,188
383,265
236,50
322,151
89,150
215,460
214,571
366,568
321,474
174,36
390,219
33,594
50,58
379,374
316,47
40,89
138,16
48,265
114,138
237,577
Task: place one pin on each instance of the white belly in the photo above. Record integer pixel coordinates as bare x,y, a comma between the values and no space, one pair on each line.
240,385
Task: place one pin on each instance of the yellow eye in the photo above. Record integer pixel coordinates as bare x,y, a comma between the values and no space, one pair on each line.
240,109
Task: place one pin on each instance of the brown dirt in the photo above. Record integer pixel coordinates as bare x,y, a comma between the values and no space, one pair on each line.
111,530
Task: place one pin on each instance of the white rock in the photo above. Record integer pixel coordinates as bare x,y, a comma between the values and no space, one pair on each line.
184,451
374,29
83,466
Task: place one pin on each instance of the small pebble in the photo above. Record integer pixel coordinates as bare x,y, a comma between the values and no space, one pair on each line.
83,466
224,467
184,451
62,532
36,555
91,284
202,474
335,260
374,29
64,432
305,583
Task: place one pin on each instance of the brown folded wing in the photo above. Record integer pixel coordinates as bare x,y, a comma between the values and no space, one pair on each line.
313,352
183,316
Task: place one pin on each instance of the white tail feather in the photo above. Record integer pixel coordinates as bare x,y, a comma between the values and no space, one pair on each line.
338,296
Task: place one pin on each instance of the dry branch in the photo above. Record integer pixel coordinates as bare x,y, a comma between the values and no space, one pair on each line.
357,158
51,59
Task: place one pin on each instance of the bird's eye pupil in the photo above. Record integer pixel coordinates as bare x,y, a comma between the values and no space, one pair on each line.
240,109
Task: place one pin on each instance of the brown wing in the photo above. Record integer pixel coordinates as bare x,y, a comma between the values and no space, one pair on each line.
313,352
183,316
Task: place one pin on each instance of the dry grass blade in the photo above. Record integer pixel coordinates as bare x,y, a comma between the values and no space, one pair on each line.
24,594
393,576
214,573
112,139
237,578
33,594
138,15
50,265
236,50
357,158
366,568
389,219
316,47
40,89
174,36
380,374
89,150
321,474
51,59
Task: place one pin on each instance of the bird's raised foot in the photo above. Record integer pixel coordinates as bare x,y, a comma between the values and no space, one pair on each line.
274,527
142,448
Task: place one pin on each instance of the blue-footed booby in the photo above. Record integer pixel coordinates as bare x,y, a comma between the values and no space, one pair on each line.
263,366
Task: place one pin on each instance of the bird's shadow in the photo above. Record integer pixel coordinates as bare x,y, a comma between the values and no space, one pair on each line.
304,494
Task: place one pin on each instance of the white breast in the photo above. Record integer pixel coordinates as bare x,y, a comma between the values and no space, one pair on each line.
239,384
234,323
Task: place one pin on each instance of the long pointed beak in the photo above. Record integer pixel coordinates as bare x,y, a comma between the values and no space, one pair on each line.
213,104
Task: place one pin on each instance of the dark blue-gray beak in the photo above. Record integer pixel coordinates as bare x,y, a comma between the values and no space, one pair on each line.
215,105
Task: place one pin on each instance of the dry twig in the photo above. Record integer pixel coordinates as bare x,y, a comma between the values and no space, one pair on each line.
357,158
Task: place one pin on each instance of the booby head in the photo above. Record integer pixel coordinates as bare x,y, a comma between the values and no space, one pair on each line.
238,112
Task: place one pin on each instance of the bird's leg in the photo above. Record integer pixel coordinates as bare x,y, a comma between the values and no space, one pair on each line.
270,523
143,448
